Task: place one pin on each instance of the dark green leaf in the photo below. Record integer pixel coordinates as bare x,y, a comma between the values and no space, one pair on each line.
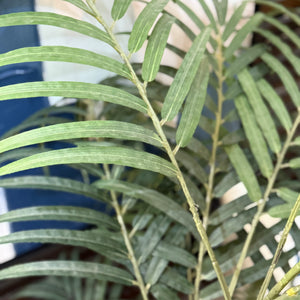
185,76
193,106
64,54
68,268
162,292
72,90
244,171
257,143
46,18
156,46
65,213
144,23
108,155
81,129
263,117
119,8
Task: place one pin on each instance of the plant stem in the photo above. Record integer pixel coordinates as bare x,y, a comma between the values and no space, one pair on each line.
288,277
279,249
212,162
127,241
262,203
192,205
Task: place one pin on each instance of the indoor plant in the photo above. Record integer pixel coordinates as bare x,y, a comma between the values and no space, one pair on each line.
152,241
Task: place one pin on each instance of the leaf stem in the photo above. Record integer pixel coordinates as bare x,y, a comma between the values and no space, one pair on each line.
166,145
131,254
261,205
279,249
215,145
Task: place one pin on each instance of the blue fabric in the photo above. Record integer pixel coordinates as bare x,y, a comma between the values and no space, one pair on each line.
14,112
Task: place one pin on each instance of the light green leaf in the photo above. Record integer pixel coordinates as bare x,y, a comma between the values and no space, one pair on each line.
73,90
261,111
108,155
257,143
275,102
244,171
282,211
245,58
81,129
221,9
155,269
162,292
285,29
144,23
193,106
185,76
66,213
285,76
233,21
119,8
283,47
174,280
64,54
156,46
175,254
153,198
96,241
68,268
296,141
45,18
294,163
287,194
242,34
53,183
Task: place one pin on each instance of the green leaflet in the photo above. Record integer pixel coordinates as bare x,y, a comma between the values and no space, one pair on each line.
285,76
285,29
221,9
296,141
119,8
185,76
275,102
162,292
193,106
66,213
152,237
80,4
287,194
96,241
64,54
242,34
282,211
107,155
153,198
245,58
282,47
68,268
81,129
244,171
155,48
261,111
209,14
177,255
144,23
45,18
257,143
73,90
233,21
174,280
53,183
294,163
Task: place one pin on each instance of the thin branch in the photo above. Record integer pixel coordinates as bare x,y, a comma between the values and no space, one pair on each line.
279,249
215,145
131,254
